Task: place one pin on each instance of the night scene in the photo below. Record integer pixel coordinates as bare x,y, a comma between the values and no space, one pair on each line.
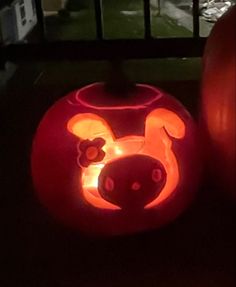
118,143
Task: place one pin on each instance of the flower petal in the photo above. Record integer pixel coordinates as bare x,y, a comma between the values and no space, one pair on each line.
83,161
84,144
99,142
100,156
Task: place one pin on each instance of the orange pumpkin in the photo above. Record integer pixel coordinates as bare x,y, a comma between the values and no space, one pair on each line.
219,98
115,166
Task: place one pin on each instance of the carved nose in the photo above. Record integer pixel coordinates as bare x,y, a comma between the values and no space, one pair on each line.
132,182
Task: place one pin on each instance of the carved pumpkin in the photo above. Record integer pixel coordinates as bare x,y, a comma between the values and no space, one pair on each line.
109,165
219,98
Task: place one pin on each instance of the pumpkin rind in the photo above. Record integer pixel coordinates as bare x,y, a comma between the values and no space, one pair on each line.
218,108
155,132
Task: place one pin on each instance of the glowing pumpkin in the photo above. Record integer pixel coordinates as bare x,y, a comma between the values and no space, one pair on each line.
109,165
219,98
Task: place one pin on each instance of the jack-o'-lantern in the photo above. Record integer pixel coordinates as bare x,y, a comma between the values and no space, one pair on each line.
115,165
219,99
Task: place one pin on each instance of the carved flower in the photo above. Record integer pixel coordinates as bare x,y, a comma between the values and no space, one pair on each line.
90,151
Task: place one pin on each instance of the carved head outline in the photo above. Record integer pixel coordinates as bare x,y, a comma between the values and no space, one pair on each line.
152,170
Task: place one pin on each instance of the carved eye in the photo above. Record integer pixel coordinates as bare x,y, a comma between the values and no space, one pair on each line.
109,184
156,175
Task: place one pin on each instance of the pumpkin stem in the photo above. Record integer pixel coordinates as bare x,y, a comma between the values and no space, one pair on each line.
117,82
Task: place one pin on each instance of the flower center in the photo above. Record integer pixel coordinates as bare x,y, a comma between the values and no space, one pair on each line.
91,153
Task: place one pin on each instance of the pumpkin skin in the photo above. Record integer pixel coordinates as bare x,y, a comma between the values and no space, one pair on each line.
219,100
107,165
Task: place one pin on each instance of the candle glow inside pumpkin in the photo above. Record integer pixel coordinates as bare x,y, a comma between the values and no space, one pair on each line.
110,164
159,124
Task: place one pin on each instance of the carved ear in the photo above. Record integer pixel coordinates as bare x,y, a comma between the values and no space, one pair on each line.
163,118
90,126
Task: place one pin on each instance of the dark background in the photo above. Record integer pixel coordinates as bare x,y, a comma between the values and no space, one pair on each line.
196,250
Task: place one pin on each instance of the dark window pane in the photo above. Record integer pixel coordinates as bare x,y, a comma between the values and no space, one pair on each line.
23,22
34,7
22,12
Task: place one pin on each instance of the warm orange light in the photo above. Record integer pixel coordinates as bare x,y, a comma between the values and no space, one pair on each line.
161,124
89,126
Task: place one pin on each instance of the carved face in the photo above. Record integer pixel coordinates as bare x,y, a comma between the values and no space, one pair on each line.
129,172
